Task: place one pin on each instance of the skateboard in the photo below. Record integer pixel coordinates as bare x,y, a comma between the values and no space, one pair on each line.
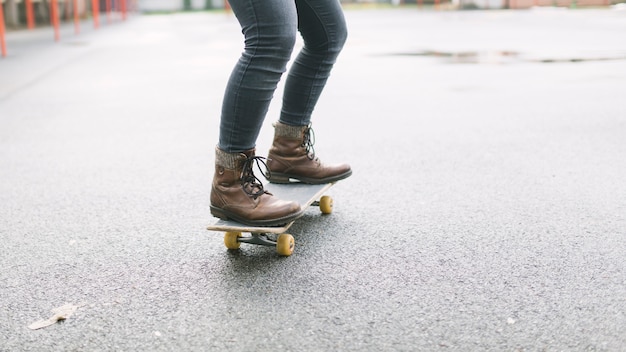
275,236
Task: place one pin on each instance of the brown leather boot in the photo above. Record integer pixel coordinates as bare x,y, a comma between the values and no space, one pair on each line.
292,157
237,194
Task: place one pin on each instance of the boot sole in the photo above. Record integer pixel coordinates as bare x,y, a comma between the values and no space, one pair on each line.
277,177
226,215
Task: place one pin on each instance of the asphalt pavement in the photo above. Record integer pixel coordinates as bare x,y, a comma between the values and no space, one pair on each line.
486,210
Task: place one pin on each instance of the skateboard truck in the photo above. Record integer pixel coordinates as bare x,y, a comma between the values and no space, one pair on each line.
284,242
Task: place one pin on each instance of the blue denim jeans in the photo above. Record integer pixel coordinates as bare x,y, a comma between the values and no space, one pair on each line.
270,28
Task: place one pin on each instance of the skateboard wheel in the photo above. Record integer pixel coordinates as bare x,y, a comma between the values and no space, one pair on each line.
231,240
326,205
285,244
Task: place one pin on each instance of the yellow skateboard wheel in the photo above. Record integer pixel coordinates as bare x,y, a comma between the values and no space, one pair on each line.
230,240
285,244
326,205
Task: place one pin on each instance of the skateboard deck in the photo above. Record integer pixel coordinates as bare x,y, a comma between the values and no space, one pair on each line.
305,194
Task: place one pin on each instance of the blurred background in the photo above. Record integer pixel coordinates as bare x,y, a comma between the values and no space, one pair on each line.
29,13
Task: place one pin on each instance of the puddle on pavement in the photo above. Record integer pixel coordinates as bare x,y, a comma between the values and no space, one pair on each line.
499,57
467,57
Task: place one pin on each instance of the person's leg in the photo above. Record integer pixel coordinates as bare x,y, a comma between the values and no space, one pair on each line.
269,28
323,28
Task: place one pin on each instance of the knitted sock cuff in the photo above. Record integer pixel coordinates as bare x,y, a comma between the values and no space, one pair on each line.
227,160
288,131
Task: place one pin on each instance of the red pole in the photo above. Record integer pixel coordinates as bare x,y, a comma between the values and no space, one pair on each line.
76,18
55,19
3,44
30,16
124,10
96,13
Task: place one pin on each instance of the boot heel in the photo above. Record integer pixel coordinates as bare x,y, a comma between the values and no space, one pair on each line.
218,213
279,178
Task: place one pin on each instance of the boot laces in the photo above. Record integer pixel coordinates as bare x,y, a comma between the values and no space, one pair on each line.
308,142
249,182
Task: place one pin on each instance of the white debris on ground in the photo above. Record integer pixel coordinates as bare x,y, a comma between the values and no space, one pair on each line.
61,313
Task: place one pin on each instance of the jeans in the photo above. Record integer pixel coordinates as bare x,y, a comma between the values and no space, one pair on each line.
270,28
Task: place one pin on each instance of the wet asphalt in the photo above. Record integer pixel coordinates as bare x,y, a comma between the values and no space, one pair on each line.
486,210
